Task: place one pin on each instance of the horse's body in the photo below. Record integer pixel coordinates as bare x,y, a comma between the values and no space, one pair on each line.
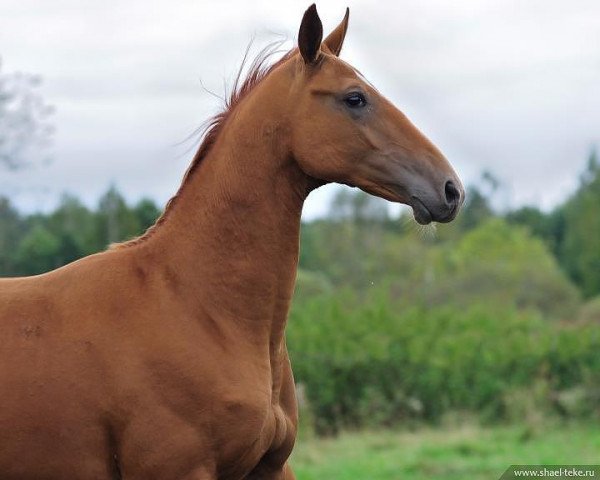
113,369
165,358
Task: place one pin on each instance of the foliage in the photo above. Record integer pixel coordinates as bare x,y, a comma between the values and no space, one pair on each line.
358,207
38,243
11,232
494,262
39,249
373,364
115,220
310,285
572,229
506,266
580,250
475,210
590,311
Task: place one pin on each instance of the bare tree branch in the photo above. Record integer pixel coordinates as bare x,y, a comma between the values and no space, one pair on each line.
25,131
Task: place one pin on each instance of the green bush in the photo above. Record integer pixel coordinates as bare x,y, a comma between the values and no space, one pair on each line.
500,264
590,311
367,364
495,263
311,284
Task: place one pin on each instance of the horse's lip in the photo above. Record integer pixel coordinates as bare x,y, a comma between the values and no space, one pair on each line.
422,214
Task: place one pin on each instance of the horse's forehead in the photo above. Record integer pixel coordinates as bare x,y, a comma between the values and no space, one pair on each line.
339,69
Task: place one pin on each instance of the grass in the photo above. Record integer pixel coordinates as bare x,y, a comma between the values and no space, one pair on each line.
465,453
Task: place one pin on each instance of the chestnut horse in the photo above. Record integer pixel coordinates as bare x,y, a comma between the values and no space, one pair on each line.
165,357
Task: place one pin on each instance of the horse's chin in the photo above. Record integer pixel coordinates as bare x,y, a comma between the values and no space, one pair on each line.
421,213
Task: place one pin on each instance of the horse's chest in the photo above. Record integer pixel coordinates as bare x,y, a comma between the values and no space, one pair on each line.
227,422
248,449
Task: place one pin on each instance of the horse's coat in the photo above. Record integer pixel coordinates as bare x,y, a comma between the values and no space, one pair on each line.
165,358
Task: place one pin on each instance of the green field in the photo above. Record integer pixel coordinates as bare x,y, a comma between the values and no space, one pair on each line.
465,453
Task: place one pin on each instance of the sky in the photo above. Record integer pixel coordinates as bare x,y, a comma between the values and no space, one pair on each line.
509,86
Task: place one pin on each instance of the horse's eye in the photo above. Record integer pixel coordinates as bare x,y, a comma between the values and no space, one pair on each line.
355,100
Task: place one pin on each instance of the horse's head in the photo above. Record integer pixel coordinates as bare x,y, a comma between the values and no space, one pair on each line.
346,132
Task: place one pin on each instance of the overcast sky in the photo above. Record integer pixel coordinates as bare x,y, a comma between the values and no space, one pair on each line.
512,86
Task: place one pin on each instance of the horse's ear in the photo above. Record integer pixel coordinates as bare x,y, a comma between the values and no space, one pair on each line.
310,35
335,39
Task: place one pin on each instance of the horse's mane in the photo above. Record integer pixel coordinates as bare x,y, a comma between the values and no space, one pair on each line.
258,70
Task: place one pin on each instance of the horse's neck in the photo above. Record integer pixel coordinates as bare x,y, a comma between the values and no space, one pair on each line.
231,238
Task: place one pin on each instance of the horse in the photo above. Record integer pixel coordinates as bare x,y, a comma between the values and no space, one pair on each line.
165,357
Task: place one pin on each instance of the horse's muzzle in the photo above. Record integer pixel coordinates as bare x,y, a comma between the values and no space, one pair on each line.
442,210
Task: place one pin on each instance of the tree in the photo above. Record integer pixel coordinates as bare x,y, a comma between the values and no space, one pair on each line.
590,174
580,249
358,206
11,230
116,221
40,242
476,209
24,127
146,213
356,223
38,252
502,264
74,224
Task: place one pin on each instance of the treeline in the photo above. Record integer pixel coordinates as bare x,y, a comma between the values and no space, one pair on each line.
572,230
496,314
31,244
345,247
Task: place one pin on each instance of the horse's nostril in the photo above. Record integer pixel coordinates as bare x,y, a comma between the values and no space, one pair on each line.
452,194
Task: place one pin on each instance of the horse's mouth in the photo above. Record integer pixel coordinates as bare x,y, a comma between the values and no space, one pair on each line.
422,214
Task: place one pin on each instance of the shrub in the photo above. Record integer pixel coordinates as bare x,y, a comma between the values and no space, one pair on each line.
590,311
368,364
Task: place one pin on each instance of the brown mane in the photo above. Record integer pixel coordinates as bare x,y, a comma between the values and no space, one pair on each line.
259,69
